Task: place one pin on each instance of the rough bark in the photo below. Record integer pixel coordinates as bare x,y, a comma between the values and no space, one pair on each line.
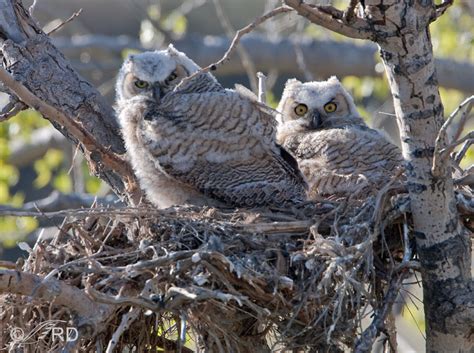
40,76
402,31
91,313
442,242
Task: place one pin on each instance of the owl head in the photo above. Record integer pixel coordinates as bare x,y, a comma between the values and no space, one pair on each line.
315,106
152,74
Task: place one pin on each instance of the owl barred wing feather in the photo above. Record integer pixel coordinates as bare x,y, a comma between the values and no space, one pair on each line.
340,160
220,143
267,113
190,141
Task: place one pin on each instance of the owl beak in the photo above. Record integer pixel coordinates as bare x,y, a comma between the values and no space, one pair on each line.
316,120
157,92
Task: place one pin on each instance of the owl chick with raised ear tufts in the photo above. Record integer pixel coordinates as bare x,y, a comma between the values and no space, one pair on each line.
198,143
336,151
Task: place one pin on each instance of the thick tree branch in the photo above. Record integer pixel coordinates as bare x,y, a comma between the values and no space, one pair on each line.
332,19
70,103
56,292
87,140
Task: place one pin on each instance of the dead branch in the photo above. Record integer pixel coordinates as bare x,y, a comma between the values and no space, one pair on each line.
89,142
462,152
57,292
242,52
79,112
441,8
240,33
262,87
12,108
441,153
333,19
63,23
449,148
300,60
127,320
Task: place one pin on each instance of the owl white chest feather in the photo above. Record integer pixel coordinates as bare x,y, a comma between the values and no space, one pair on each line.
160,189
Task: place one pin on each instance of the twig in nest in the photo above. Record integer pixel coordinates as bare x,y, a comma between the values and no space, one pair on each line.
59,26
440,156
467,177
367,338
240,33
127,320
122,300
262,87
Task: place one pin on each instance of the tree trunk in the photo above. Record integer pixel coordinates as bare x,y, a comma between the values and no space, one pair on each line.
442,242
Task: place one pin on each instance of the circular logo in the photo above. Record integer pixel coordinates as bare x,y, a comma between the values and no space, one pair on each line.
17,334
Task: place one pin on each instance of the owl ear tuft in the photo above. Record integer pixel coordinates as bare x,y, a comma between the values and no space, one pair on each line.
172,50
333,79
292,82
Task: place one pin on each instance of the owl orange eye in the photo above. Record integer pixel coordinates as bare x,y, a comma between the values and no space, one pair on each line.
301,109
141,84
330,107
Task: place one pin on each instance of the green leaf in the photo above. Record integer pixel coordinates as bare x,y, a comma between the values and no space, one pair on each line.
63,182
176,22
43,174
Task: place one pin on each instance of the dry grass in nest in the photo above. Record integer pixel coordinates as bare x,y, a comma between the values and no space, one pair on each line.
226,281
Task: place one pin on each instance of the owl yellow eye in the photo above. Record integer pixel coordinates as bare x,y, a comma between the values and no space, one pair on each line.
141,84
301,109
330,107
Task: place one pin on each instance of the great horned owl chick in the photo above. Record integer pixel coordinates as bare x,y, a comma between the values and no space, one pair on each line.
197,142
336,151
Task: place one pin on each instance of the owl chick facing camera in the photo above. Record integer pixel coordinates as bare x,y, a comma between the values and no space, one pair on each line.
336,151
198,143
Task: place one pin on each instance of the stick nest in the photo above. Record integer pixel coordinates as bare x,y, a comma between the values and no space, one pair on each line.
223,281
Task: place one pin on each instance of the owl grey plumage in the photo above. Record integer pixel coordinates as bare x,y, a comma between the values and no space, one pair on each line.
336,151
198,142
